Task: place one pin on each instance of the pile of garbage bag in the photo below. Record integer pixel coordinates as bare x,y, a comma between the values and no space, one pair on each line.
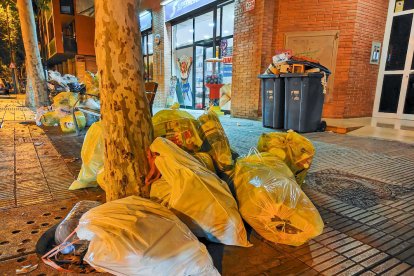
66,92
190,199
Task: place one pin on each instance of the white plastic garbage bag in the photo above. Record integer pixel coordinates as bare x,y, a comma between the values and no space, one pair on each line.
197,196
135,236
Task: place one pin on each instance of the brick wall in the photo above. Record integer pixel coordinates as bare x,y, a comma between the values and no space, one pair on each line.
359,23
253,32
370,24
323,15
162,56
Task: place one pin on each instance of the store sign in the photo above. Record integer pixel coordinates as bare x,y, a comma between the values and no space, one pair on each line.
181,7
249,5
145,21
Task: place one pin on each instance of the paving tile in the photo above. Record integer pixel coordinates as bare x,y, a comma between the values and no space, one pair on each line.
329,263
397,270
364,255
409,272
398,249
374,260
389,245
348,246
350,271
380,268
320,259
410,260
356,251
339,268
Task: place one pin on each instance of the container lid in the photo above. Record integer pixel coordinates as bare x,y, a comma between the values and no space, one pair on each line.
300,75
309,64
268,76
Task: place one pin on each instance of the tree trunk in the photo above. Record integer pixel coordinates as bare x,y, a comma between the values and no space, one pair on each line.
125,112
29,99
33,62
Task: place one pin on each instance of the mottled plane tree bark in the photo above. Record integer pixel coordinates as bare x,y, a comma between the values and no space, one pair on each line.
33,62
125,112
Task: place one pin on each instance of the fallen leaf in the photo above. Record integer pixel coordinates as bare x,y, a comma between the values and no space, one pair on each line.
26,269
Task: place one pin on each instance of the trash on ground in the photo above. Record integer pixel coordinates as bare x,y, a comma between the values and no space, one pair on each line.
294,149
135,236
26,269
272,202
67,124
92,154
197,196
71,221
219,146
178,126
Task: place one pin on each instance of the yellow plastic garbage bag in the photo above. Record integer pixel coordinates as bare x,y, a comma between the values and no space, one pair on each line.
91,83
135,236
197,196
178,126
92,154
67,125
206,160
50,118
66,99
294,149
272,202
213,132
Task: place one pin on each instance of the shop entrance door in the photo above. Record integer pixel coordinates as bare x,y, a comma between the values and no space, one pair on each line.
395,87
203,51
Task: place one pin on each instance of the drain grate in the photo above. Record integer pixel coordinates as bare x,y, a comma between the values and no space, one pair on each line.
353,189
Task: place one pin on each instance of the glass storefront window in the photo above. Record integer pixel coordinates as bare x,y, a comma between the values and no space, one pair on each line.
204,26
192,44
183,64
228,20
147,51
150,41
183,33
144,45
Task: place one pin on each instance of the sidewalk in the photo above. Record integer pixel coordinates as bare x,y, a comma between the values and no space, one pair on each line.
363,188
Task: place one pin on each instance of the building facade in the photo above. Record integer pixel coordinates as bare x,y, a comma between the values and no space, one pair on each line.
364,43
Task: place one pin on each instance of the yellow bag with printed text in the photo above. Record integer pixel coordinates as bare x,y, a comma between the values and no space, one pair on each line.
92,154
219,146
178,126
272,202
294,149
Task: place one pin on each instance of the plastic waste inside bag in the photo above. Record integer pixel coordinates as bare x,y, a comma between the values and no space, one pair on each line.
71,221
50,118
206,160
217,140
67,124
135,236
178,126
56,79
91,83
294,149
65,100
272,202
92,154
197,196
40,112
